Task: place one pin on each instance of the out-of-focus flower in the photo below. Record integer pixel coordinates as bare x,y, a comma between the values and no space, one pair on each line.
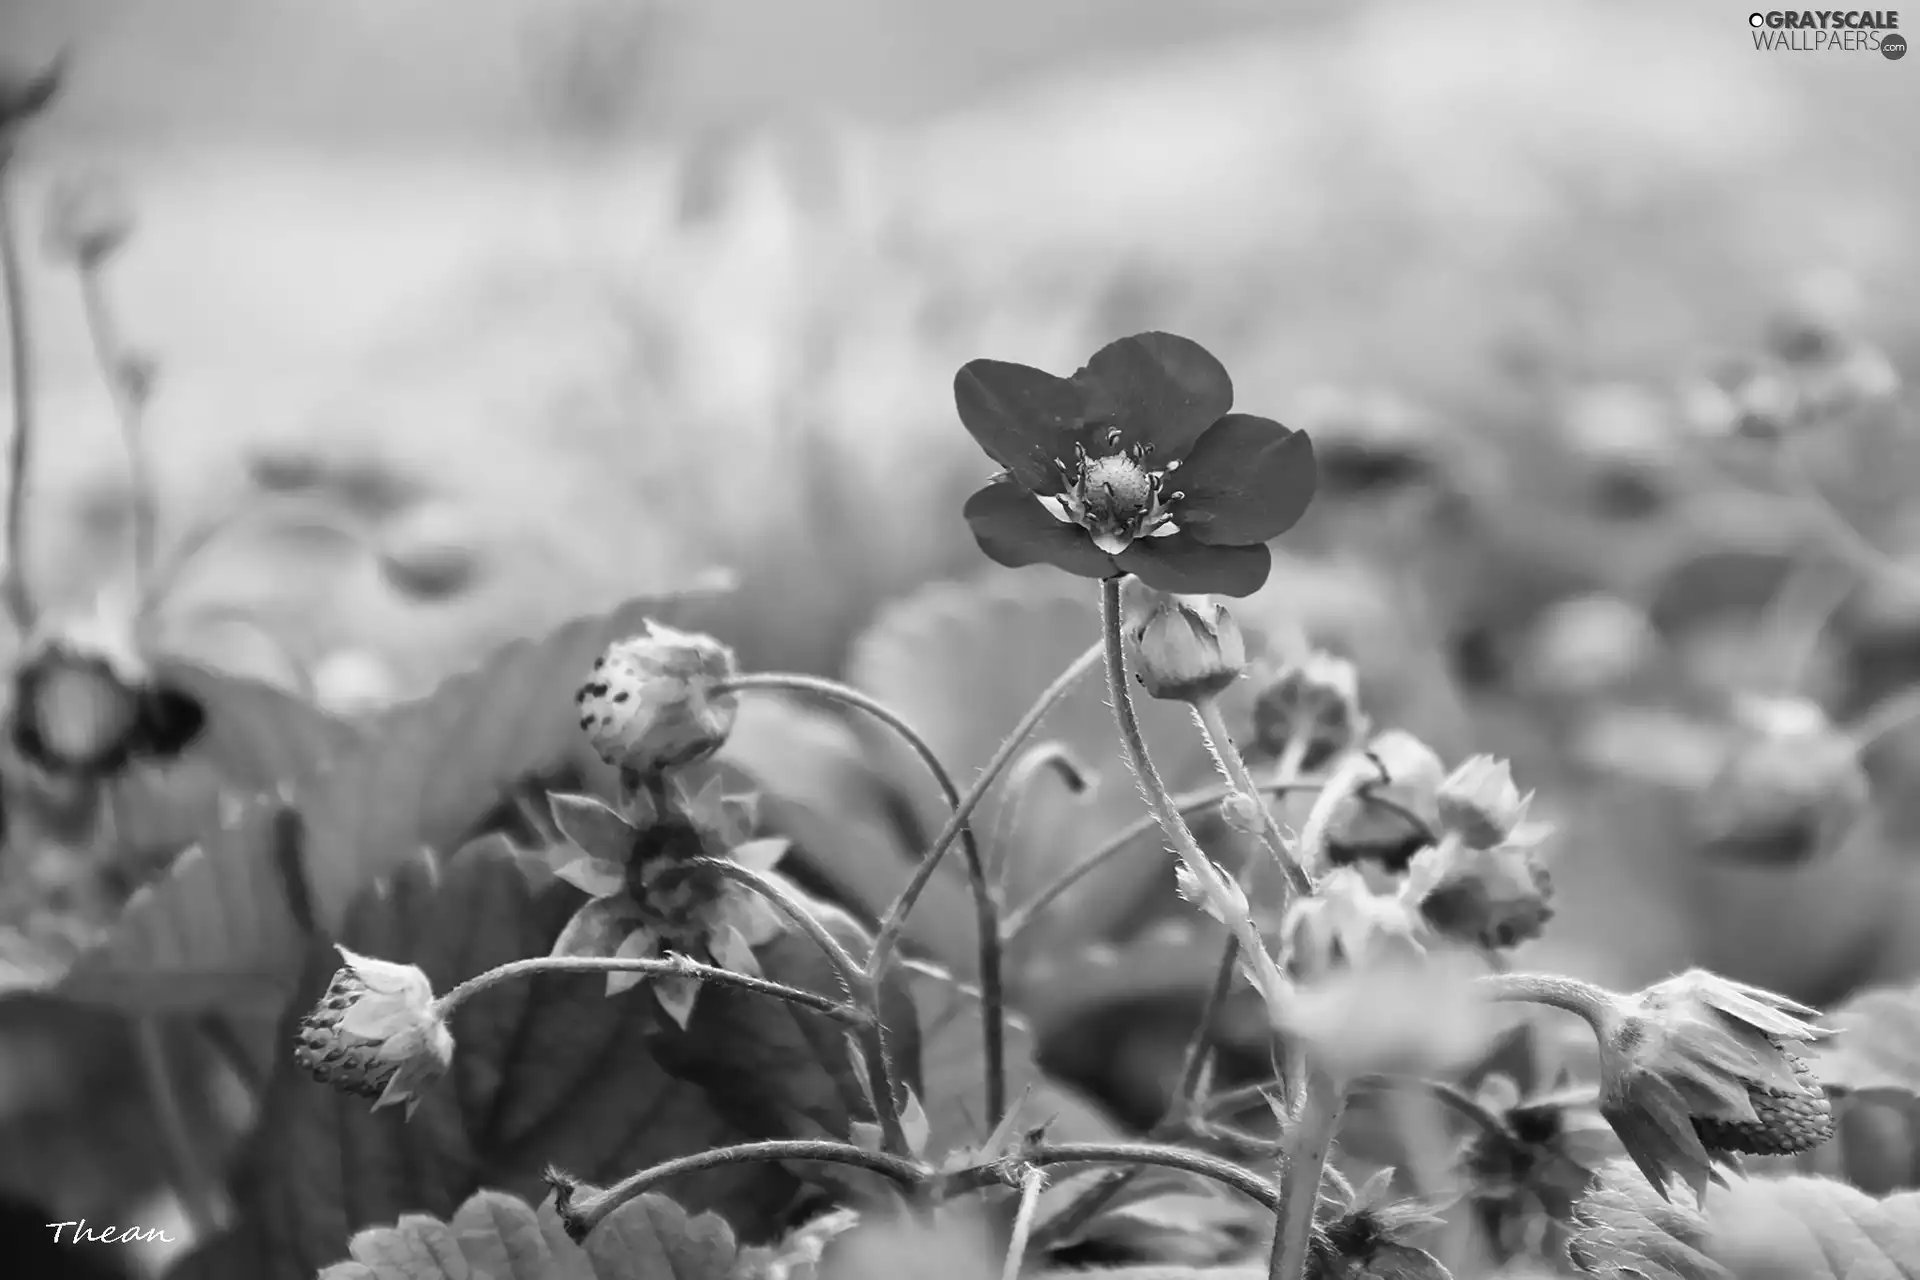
650,702
1395,816
1394,1014
1366,1237
1372,442
1629,441
1133,465
1189,647
649,891
428,554
1534,1168
1586,645
1791,787
376,1033
1344,923
1480,803
88,218
1493,898
25,93
1315,698
1747,398
1698,1067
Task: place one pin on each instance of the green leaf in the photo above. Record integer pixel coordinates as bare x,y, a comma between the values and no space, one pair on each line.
547,1071
1793,1228
962,662
494,1236
953,1084
777,1070
224,924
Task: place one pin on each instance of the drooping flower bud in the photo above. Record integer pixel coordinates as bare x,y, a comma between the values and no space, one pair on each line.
1318,698
376,1033
1479,803
650,702
88,219
1189,647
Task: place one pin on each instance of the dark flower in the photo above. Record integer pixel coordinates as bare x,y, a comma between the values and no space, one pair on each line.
1133,465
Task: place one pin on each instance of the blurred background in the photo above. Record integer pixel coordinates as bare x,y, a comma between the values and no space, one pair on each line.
1599,318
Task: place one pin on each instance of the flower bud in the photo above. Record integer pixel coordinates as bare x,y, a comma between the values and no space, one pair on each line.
1317,698
1479,803
376,1033
88,219
1189,647
1244,813
650,703
1791,788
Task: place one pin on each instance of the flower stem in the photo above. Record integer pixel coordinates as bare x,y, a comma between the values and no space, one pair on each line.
581,1211
1323,1101
1230,904
1225,1172
1219,740
863,989
111,354
199,1199
13,287
671,966
992,999
1032,1182
1596,1005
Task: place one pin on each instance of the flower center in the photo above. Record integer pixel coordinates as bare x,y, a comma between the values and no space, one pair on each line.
1115,498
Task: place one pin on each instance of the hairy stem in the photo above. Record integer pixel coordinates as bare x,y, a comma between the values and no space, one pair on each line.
1596,1005
1226,755
581,1209
1323,1101
1032,1182
863,989
986,906
13,286
670,966
112,357
1225,1172
1224,898
992,1001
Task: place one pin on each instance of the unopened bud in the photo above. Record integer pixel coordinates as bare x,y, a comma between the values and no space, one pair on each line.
1189,647
1244,813
88,219
1479,802
650,703
376,1033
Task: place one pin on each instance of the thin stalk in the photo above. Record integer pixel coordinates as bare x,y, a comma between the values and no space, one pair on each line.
1225,1172
1032,1182
993,1001
986,907
672,966
199,1198
111,354
1308,1147
13,286
1226,755
1597,1006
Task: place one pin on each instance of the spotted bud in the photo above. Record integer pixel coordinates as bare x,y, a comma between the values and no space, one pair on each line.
650,703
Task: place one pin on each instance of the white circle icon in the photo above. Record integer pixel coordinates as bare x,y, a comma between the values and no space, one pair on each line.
1756,19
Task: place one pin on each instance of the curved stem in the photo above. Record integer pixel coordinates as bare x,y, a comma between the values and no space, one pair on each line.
199,1200
13,286
1225,899
300,512
670,966
1022,777
1596,1005
863,989
1311,1142
1219,740
1032,1182
986,906
581,1210
128,409
992,1000
1247,1183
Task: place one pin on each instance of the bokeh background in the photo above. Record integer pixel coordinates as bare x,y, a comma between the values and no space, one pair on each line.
570,299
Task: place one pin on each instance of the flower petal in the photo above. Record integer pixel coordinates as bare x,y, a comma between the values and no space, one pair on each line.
598,928
1015,530
762,854
388,977
1158,389
641,944
731,951
1184,565
594,827
595,877
1026,419
677,994
380,1017
1246,481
